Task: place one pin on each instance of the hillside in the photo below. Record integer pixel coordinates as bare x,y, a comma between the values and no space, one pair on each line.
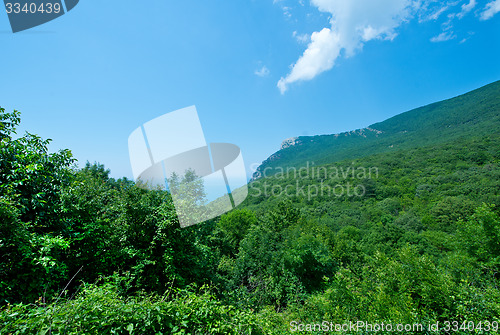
407,236
470,114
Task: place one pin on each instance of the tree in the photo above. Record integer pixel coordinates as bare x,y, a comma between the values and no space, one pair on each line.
480,235
33,237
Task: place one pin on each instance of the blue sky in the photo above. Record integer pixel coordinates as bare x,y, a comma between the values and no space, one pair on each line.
258,71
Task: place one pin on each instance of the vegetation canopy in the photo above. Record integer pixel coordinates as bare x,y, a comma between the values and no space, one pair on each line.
84,253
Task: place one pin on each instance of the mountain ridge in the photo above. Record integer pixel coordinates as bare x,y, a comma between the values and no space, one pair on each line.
472,113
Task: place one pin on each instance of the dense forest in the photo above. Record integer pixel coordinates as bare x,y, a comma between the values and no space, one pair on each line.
468,115
408,237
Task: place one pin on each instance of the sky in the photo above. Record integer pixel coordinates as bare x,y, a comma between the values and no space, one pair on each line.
257,71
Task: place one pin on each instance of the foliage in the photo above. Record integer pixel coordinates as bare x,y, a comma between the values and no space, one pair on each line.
100,309
83,253
467,115
32,241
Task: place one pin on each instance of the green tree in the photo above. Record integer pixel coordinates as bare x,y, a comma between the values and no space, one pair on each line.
480,234
33,237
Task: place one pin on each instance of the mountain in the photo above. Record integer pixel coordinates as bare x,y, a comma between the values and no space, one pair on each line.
475,113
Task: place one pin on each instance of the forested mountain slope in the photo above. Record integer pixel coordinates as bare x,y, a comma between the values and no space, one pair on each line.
471,114
403,236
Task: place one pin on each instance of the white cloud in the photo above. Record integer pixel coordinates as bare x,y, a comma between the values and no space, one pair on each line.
352,24
301,38
319,56
465,39
287,11
466,8
358,20
435,15
448,24
490,10
262,72
444,36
